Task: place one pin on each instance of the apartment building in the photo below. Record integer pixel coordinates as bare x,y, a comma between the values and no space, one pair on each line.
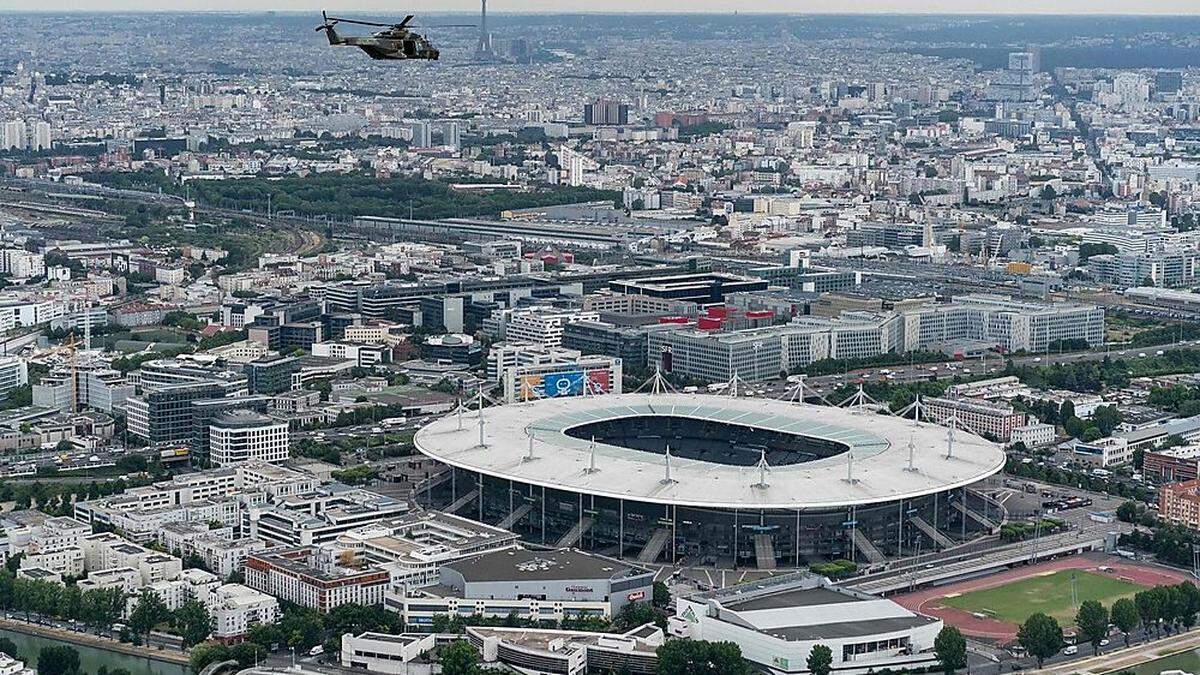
303,576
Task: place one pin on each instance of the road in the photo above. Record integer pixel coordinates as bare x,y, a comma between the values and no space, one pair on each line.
156,647
1123,657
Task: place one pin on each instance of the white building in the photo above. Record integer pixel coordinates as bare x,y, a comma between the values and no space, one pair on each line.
14,372
503,356
21,264
776,625
1034,435
542,325
236,609
243,436
586,376
383,652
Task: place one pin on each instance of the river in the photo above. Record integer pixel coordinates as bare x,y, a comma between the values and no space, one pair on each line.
91,658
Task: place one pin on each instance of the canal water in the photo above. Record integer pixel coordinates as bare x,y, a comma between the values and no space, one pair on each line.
91,658
1186,661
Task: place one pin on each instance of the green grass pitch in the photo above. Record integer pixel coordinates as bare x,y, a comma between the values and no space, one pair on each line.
1051,594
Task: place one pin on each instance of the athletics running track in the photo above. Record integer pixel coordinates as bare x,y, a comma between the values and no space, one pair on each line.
927,601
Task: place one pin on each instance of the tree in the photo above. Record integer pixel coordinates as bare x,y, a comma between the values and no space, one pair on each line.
636,614
1092,620
58,660
247,654
193,622
951,649
820,660
662,595
9,647
1041,636
701,657
459,658
1125,617
206,654
1149,608
148,613
1190,596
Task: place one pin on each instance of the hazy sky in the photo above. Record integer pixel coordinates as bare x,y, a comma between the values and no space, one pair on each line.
798,6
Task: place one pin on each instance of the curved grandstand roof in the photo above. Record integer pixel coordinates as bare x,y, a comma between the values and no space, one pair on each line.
878,444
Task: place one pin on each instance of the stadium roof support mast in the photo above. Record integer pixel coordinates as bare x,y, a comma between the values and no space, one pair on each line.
916,408
850,467
667,468
800,391
912,451
658,384
734,382
482,440
592,457
859,400
950,436
763,468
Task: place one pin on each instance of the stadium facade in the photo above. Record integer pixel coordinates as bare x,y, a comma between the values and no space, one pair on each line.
715,480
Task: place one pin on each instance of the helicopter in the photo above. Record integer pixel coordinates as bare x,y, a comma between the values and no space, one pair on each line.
395,41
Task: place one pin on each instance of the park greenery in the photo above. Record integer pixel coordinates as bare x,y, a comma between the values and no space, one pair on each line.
1020,531
355,194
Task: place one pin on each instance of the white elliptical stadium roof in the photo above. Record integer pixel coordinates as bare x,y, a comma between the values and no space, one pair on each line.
878,443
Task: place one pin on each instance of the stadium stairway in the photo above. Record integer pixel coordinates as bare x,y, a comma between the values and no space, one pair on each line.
515,517
923,525
975,516
867,548
462,501
575,533
656,544
764,551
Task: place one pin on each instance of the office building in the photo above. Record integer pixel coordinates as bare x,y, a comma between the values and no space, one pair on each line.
270,374
164,414
584,376
243,435
701,288
605,112
1001,322
602,338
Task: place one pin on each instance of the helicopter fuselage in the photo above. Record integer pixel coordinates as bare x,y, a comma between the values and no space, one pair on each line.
395,45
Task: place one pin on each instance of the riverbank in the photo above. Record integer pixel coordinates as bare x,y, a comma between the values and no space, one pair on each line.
94,641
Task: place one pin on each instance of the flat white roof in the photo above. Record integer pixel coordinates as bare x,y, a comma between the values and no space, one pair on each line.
879,445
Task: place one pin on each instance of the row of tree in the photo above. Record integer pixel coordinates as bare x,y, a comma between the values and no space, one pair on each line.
1162,608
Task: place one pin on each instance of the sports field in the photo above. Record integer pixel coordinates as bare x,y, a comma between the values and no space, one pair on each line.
1048,593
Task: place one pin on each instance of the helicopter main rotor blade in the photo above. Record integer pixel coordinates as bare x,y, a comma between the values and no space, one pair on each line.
336,19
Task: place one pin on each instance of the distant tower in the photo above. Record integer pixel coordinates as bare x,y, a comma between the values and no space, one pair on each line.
484,51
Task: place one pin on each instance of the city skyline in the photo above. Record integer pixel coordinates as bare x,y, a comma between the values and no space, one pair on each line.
1018,7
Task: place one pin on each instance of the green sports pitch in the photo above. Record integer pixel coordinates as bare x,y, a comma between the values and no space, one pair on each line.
1050,594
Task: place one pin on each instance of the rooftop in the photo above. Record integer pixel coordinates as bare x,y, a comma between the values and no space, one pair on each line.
523,565
878,444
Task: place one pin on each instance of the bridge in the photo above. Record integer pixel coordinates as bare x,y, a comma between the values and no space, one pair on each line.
947,568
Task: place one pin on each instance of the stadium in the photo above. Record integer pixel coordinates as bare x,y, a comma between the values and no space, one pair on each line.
713,480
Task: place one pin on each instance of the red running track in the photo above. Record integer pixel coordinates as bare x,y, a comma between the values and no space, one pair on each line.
993,630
